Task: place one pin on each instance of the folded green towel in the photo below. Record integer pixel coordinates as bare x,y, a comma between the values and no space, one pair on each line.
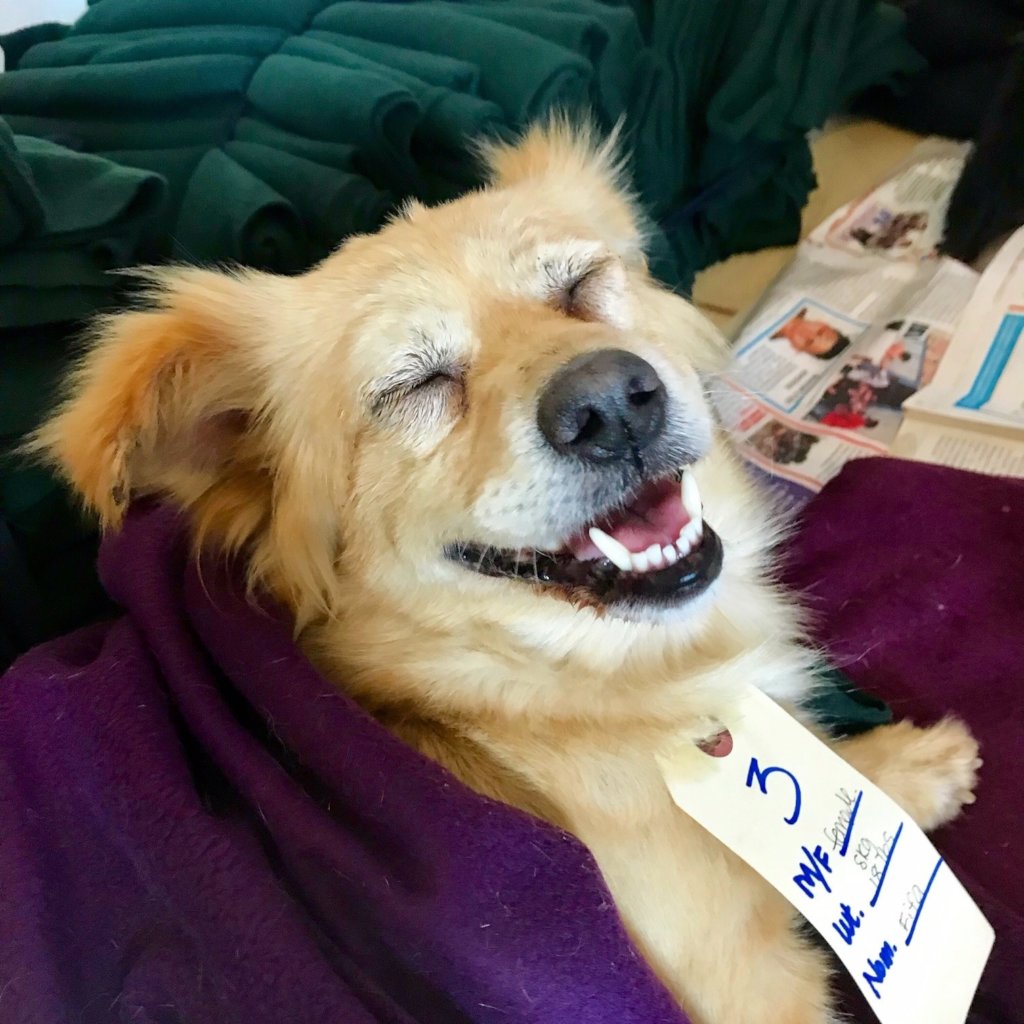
523,73
147,44
55,248
333,204
607,37
21,212
448,121
16,44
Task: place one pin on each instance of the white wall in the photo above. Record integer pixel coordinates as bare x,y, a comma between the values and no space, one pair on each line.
19,13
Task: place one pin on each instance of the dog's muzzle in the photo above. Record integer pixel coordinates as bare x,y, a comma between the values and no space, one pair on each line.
607,410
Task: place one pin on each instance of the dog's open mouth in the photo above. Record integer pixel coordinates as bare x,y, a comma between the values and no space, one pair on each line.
656,549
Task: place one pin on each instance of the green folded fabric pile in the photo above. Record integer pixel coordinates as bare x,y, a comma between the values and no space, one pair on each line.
265,131
67,219
280,126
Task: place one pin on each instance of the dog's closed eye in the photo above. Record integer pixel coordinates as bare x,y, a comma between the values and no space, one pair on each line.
578,287
427,388
573,298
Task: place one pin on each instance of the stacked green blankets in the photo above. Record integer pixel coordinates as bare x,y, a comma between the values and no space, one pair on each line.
268,130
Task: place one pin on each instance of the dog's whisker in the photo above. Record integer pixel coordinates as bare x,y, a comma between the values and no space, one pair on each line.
483,557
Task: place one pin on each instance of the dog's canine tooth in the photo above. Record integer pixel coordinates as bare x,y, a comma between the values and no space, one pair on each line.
688,538
618,554
690,493
689,535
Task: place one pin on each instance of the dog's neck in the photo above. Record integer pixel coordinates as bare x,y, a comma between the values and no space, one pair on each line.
565,730
669,679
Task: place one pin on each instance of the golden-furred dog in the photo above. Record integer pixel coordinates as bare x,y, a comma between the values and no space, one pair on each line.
474,455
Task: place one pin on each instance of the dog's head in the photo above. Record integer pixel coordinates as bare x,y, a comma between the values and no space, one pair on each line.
486,412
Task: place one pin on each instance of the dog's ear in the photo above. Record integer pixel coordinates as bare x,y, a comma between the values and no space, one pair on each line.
168,399
583,173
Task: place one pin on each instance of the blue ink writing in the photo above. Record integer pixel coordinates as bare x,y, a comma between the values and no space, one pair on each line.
885,869
924,896
812,869
877,969
848,923
763,774
849,824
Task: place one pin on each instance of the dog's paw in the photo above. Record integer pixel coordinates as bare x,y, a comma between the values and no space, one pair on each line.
941,765
930,772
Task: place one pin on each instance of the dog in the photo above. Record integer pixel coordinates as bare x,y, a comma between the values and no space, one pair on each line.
474,455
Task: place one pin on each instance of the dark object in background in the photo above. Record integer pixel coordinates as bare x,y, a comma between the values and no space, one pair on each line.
989,198
970,46
48,581
973,89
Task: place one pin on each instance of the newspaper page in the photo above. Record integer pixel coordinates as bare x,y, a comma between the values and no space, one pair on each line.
972,413
904,218
858,324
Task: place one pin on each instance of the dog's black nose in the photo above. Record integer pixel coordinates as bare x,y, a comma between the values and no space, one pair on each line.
603,406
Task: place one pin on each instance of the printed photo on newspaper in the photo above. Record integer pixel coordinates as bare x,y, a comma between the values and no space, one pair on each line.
903,218
848,354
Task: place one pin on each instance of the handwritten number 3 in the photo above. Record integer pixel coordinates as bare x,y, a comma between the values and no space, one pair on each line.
763,774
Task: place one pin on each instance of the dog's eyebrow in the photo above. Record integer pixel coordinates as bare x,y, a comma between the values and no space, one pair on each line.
572,267
430,358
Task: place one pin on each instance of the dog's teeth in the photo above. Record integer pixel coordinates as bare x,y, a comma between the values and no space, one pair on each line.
641,563
671,554
618,554
689,536
690,493
655,558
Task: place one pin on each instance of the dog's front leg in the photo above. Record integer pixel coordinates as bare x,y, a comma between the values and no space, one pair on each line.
722,939
930,772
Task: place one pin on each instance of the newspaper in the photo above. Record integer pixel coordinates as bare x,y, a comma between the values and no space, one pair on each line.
859,330
904,218
972,413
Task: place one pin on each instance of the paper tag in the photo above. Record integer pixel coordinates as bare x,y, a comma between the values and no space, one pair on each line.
846,856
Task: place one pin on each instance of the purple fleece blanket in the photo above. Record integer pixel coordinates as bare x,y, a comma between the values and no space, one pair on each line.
195,827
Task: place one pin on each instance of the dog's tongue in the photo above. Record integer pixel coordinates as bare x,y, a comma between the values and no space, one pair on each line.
656,516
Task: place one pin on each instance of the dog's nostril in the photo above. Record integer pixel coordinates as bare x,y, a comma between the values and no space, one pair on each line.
642,390
589,423
638,399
